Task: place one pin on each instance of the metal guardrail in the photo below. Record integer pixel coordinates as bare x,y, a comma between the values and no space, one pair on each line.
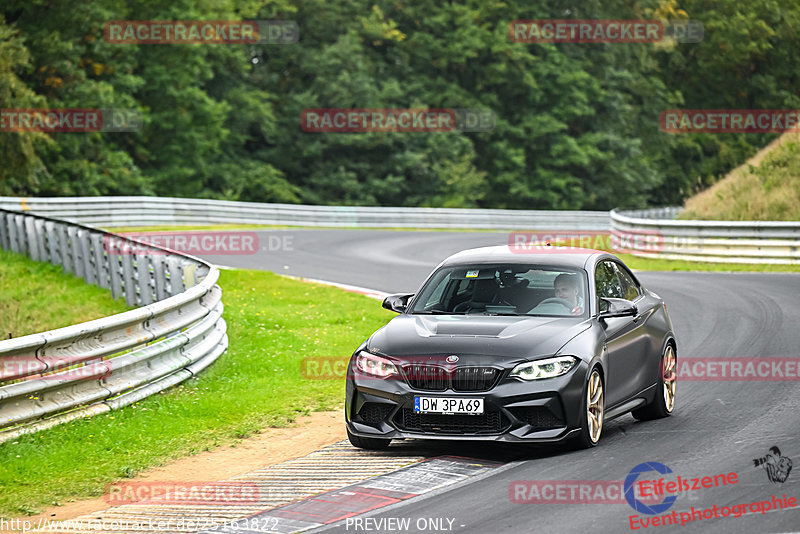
660,235
109,212
93,367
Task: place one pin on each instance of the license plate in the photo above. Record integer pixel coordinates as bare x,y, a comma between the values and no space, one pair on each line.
448,405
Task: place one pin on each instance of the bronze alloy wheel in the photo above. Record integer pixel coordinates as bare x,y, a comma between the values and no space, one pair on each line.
670,378
594,406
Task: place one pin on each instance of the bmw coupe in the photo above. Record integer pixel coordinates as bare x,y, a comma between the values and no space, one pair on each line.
505,346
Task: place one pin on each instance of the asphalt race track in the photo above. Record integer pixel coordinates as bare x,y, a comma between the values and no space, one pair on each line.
718,426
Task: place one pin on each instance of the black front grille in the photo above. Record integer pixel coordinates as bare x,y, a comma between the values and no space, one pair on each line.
451,424
538,417
474,378
374,412
429,377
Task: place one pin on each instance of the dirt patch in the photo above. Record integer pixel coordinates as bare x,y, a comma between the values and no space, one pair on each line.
272,446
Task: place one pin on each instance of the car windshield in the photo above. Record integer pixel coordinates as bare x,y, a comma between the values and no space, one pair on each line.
504,290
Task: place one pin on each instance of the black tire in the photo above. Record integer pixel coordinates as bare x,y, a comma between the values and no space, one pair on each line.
660,408
370,444
584,440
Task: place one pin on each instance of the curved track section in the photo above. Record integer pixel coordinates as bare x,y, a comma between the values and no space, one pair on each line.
718,427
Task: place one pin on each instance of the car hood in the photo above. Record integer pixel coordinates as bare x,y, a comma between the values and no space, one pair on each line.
497,338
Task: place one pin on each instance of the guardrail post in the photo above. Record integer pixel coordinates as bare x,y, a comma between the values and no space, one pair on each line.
87,257
101,265
65,245
41,239
115,274
30,239
144,278
4,242
76,262
175,275
200,273
128,279
18,244
189,279
160,276
53,248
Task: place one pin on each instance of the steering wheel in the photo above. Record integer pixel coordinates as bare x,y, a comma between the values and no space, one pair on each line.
556,300
462,307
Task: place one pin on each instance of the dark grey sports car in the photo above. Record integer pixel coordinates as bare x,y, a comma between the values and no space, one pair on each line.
499,345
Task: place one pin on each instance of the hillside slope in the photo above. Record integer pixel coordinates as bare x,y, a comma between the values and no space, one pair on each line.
766,187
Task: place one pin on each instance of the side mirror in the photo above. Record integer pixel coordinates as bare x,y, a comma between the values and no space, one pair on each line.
617,308
398,302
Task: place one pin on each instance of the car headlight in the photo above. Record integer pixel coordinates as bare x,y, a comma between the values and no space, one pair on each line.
547,368
375,365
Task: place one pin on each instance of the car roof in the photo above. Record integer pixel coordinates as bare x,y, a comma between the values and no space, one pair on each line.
576,257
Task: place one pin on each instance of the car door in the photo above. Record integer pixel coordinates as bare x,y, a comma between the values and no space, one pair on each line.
626,342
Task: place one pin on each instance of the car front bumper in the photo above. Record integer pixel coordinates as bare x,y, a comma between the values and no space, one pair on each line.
537,411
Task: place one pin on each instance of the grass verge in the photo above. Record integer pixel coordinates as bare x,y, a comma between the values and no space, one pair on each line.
37,296
273,322
648,264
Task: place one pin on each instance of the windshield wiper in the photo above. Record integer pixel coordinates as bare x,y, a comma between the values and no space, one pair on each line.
435,312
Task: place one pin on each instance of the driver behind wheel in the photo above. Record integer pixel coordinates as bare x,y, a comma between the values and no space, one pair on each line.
567,287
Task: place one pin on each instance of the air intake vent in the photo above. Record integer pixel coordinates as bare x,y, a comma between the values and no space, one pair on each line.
374,412
489,422
538,417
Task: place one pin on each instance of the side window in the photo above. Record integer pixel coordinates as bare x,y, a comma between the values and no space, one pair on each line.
606,281
629,288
